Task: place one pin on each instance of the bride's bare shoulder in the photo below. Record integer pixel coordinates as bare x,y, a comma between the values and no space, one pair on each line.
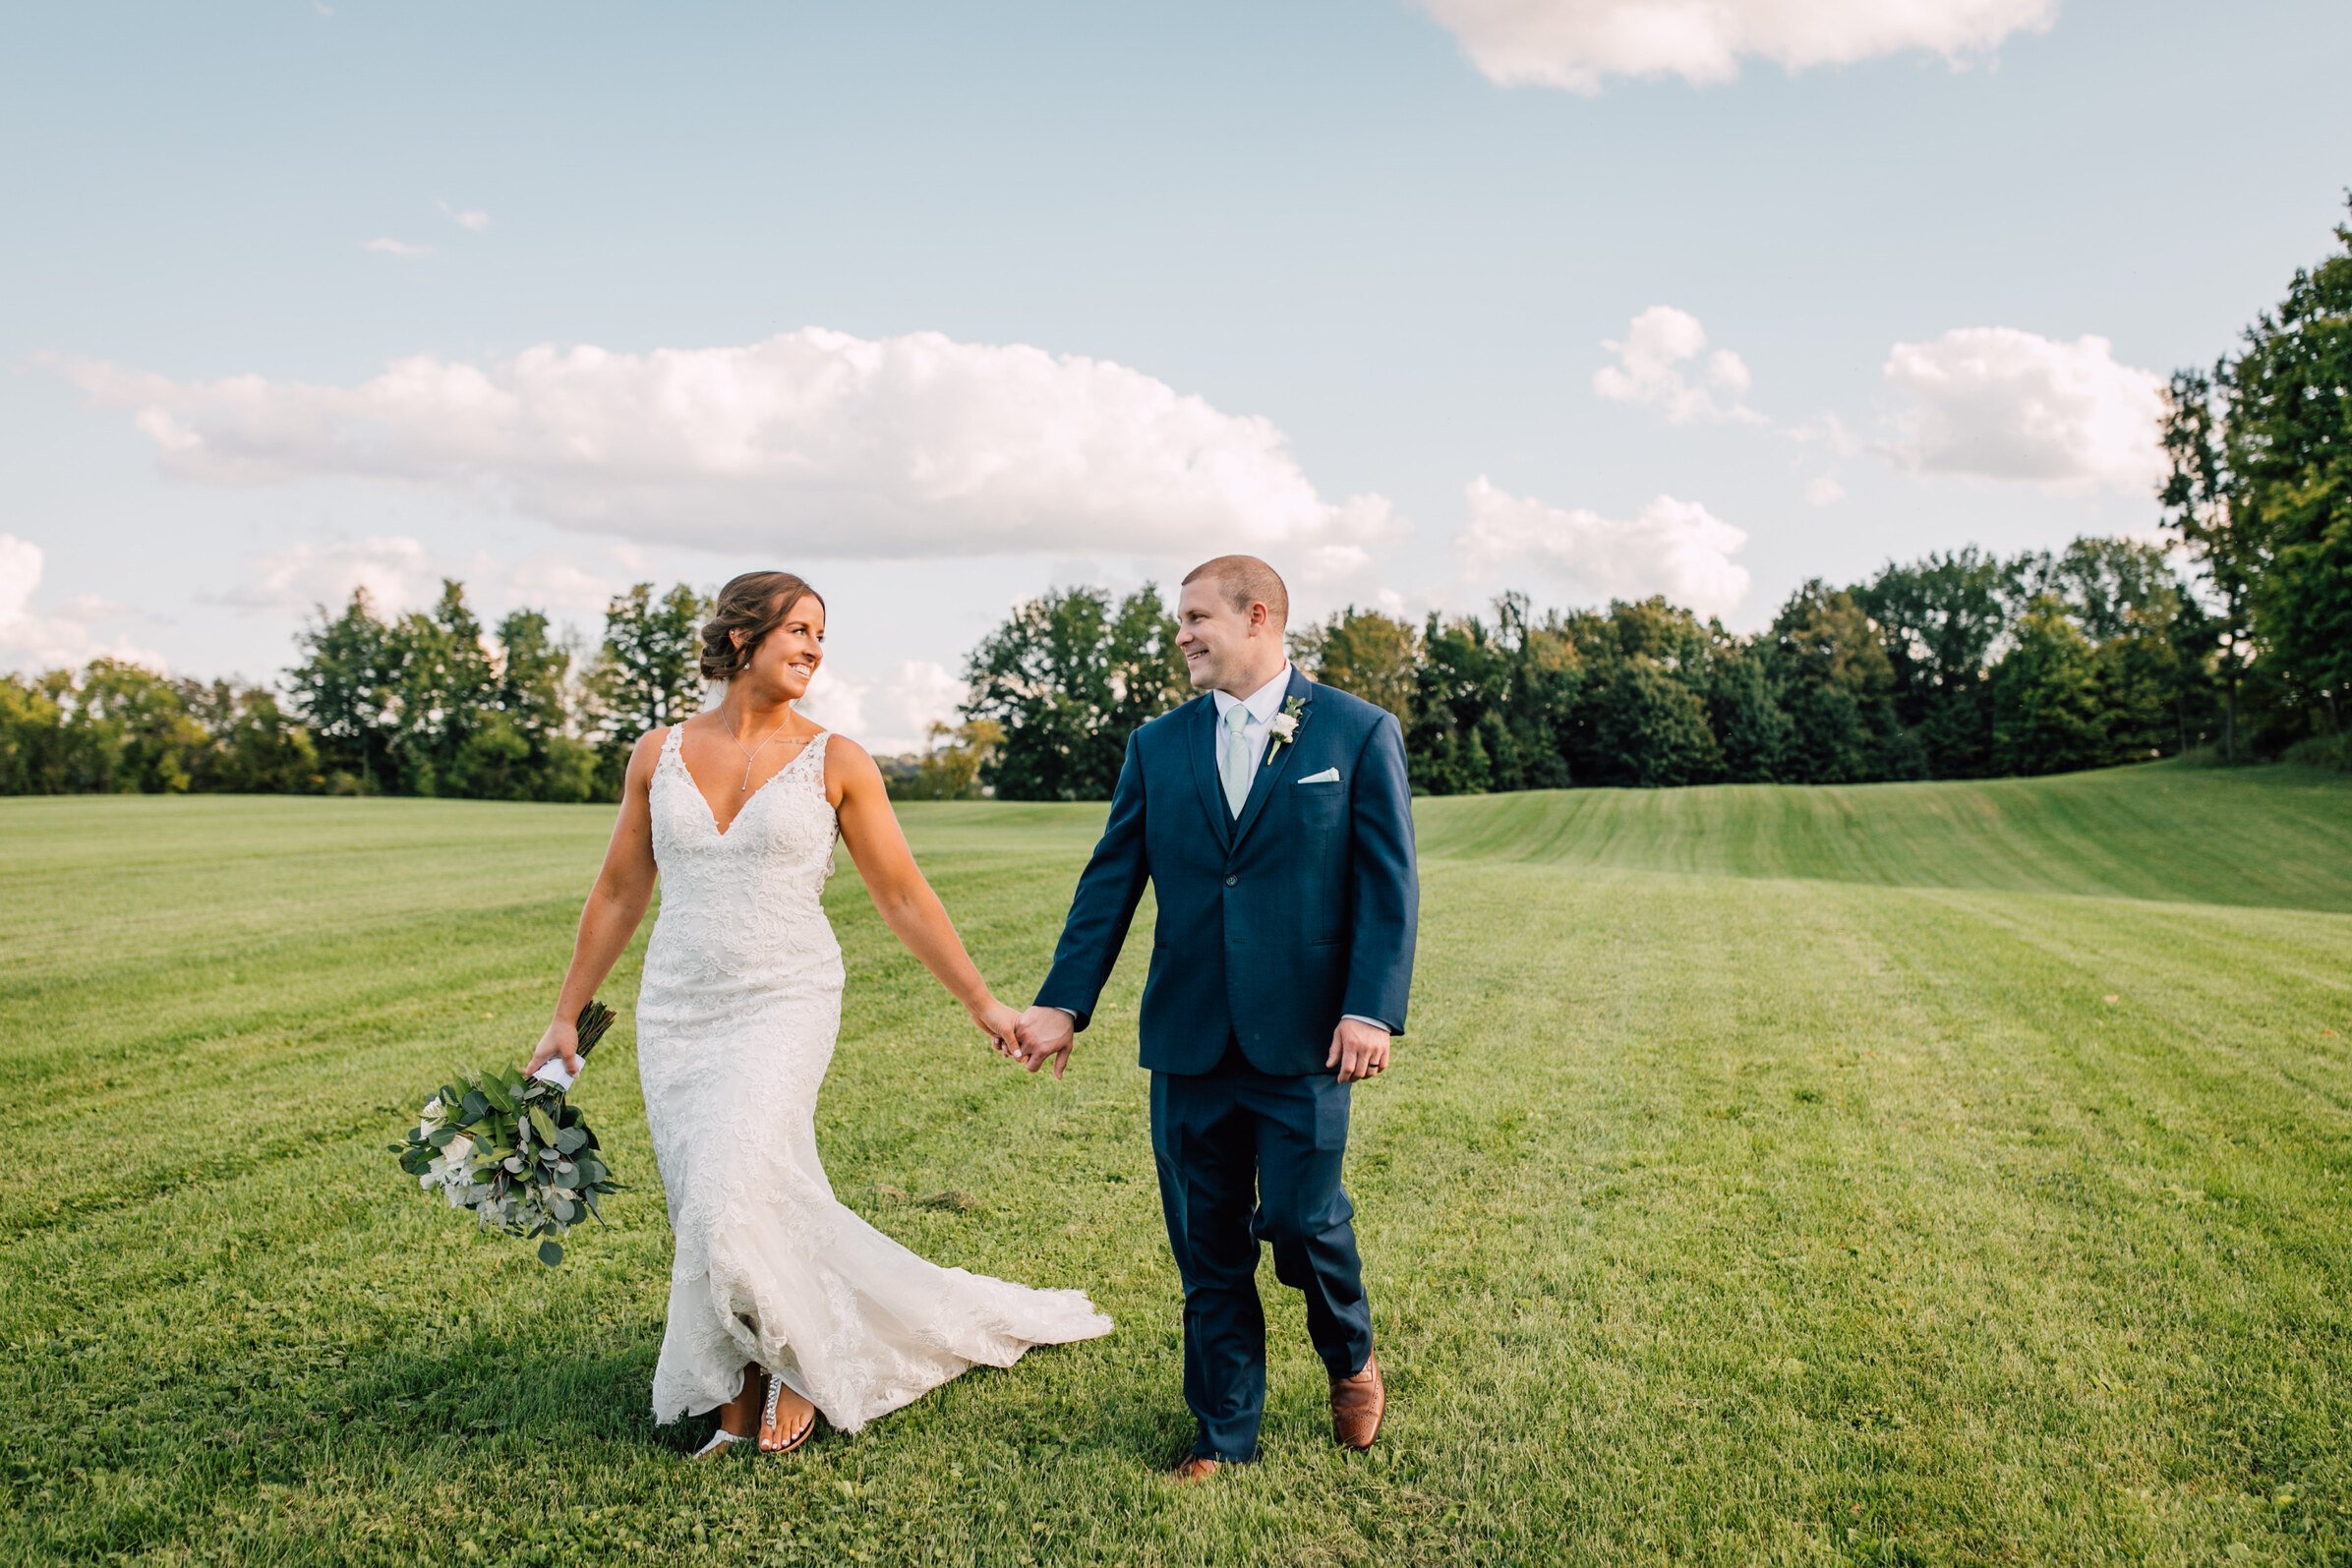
648,750
846,764
841,749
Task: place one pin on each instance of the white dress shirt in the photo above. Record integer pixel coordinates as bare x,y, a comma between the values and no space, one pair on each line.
1264,704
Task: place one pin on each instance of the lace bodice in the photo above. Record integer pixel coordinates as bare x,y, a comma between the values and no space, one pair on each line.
749,901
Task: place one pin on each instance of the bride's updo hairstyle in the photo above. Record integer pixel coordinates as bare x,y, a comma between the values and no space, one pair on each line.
754,603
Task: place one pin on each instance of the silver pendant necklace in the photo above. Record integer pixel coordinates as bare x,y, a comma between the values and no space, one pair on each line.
751,754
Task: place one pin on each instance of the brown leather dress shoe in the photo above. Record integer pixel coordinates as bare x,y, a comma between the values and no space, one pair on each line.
1356,1405
1200,1466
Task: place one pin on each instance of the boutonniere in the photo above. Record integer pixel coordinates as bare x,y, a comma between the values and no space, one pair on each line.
1284,727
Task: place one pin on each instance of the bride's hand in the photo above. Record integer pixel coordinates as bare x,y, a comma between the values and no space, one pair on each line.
562,1039
1002,1025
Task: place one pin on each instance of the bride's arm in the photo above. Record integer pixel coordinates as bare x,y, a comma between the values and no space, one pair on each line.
623,887
906,903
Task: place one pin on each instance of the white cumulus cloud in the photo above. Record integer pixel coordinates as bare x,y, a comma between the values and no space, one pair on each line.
32,640
398,573
1999,403
472,219
1660,366
811,443
386,244
888,713
1579,45
1674,548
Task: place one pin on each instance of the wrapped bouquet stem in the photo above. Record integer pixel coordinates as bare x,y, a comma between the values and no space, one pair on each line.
514,1149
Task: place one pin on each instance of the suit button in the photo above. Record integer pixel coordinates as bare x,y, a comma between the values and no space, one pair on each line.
1232,881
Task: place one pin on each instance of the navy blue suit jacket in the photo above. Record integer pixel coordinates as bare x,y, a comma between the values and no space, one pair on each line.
1272,925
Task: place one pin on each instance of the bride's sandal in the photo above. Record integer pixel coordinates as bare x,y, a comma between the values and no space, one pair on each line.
771,1439
721,1441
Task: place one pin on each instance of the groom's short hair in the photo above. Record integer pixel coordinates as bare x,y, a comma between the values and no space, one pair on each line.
1246,581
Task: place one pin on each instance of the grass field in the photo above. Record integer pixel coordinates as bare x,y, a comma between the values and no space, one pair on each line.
1886,1175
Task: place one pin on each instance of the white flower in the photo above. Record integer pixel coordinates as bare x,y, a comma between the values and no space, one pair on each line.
458,1149
1284,726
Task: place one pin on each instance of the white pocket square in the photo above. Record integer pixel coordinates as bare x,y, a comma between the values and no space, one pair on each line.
1328,776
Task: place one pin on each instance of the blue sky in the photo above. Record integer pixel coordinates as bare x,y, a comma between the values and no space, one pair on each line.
1297,277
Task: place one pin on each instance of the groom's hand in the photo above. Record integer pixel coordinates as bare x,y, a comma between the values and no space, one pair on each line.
1358,1050
1047,1034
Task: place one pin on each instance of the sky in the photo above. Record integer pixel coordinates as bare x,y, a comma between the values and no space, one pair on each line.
945,306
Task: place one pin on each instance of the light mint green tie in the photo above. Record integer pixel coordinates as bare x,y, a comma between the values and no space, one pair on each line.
1233,758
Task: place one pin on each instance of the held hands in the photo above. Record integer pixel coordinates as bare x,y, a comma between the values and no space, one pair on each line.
1002,1025
1358,1051
562,1039
1047,1034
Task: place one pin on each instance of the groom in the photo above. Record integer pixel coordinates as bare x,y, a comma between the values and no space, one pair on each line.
1273,819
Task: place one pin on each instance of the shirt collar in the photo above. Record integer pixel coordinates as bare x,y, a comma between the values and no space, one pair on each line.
1262,702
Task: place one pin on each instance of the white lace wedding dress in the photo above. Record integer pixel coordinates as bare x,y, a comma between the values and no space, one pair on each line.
736,1023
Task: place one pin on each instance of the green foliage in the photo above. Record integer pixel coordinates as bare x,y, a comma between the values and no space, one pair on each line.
512,1150
951,770
647,674
2261,490
1065,679
1367,653
2046,712
1654,728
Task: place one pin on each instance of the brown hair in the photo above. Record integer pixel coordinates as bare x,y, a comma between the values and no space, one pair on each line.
754,603
1246,580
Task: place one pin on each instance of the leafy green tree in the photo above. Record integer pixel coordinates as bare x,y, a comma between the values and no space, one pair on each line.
1654,728
126,731
1464,675
1365,653
1938,622
346,687
443,684
1751,730
254,745
519,748
1838,683
647,674
1067,679
2046,712
951,769
2287,444
32,739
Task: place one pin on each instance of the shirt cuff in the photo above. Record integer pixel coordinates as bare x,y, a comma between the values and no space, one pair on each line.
1361,1019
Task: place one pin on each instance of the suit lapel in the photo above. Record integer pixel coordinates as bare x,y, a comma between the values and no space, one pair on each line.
1271,772
1200,742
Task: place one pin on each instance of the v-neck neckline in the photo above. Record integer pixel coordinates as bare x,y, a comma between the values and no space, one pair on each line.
709,812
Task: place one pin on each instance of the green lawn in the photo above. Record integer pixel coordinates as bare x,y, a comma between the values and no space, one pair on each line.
1892,1173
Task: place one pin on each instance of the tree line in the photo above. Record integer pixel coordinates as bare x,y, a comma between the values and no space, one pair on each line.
427,703
1958,665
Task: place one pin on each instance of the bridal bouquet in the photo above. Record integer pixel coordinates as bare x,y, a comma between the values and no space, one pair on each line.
511,1148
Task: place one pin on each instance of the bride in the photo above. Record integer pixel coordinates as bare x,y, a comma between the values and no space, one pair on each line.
783,1302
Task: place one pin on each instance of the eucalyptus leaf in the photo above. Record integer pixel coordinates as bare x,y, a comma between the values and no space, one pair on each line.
550,1253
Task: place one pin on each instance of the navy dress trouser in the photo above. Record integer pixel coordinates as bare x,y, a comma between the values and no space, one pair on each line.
1244,1157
